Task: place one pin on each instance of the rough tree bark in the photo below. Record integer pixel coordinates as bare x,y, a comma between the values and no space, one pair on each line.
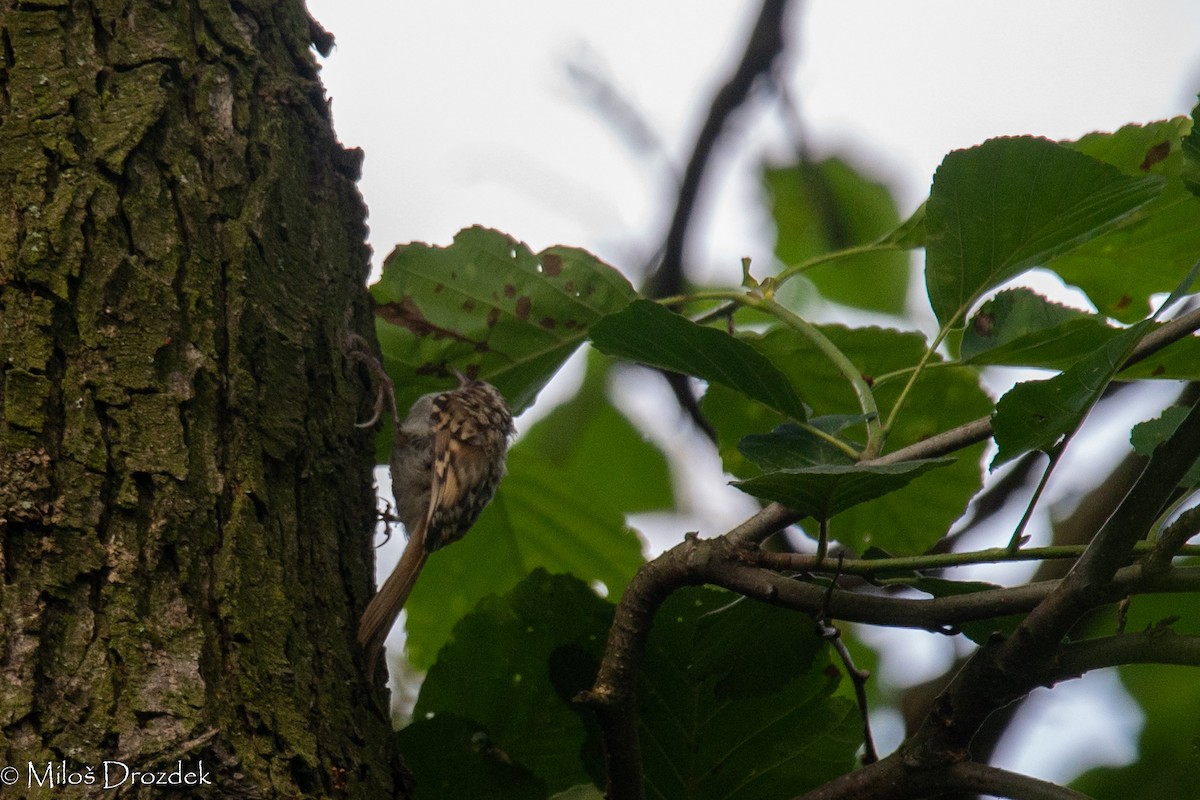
185,503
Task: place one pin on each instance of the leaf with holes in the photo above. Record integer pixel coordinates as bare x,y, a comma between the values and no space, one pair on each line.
491,308
1123,269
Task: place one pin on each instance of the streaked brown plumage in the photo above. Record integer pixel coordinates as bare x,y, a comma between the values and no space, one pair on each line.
447,459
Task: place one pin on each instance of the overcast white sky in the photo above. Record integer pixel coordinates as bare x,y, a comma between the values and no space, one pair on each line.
468,116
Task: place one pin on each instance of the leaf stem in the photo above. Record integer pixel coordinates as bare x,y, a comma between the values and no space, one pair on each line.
836,255
830,439
736,296
872,567
736,299
866,398
917,370
822,541
1014,543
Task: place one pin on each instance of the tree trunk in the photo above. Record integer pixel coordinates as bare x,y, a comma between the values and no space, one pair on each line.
185,502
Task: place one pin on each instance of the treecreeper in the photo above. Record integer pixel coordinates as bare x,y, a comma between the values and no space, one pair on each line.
447,460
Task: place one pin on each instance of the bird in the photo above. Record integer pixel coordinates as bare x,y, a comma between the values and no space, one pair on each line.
448,456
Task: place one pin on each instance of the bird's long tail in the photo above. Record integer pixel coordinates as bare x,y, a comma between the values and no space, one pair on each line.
385,606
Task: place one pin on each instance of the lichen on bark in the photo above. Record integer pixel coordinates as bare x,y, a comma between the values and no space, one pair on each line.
185,502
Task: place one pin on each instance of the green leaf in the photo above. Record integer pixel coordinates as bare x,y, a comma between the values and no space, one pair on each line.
591,443
1147,436
1167,761
1122,269
911,234
489,306
912,519
723,635
1019,327
1014,203
582,792
1179,361
827,206
716,724
1136,150
828,489
792,447
735,416
650,334
540,517
1190,148
451,758
513,667
1037,415
1120,272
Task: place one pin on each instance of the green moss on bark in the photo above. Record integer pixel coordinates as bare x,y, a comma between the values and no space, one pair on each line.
185,500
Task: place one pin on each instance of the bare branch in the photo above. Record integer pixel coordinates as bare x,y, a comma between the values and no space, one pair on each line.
893,779
859,678
939,614
1004,670
1000,672
876,567
1156,646
1170,332
612,696
720,562
1173,538
756,529
981,778
766,43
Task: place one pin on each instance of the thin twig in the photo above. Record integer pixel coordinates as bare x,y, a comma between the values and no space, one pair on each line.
1003,670
1170,542
894,779
937,614
873,567
1018,537
832,634
1155,646
823,544
767,41
859,678
765,44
